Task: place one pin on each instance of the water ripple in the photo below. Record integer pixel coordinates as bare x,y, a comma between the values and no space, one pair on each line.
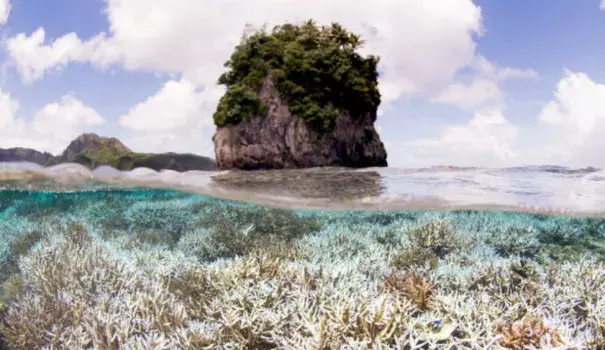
531,189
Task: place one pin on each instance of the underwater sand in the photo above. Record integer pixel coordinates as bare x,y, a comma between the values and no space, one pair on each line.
88,261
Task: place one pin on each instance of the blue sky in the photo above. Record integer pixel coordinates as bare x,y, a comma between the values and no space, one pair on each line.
483,83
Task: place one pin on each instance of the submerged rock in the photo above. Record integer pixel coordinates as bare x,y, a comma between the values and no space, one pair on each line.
280,139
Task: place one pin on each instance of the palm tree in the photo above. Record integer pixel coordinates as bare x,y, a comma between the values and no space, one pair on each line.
355,41
339,34
310,33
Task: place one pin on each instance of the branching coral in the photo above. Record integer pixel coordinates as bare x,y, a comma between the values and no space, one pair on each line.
76,294
427,243
415,288
530,331
515,277
235,231
20,245
437,236
515,241
151,237
411,258
244,277
195,288
599,341
168,216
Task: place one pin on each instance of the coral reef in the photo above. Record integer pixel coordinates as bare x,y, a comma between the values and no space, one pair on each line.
530,331
187,272
416,288
229,231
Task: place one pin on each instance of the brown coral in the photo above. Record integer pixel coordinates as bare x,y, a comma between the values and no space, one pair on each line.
413,287
530,331
409,258
519,280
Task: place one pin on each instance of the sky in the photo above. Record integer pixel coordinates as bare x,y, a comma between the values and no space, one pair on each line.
467,83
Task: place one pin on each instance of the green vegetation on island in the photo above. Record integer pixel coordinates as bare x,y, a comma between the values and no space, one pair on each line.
93,151
317,70
19,154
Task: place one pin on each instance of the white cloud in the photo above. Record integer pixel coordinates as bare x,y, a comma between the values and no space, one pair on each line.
487,139
479,93
483,92
64,120
175,118
507,73
569,130
422,44
51,128
487,69
575,120
12,128
8,108
195,140
602,5
5,9
177,106
33,57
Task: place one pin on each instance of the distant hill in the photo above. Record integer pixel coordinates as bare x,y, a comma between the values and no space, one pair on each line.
92,151
19,154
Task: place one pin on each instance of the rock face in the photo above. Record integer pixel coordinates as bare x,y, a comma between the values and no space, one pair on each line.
281,140
24,155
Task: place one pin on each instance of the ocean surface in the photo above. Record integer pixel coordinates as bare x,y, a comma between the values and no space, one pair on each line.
435,258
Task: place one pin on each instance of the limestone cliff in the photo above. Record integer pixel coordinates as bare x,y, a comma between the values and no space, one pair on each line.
282,140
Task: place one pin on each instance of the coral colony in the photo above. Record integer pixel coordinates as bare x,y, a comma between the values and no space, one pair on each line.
151,269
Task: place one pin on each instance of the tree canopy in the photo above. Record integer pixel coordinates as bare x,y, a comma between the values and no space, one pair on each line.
317,70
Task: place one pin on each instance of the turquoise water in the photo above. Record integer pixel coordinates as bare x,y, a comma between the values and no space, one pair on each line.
163,269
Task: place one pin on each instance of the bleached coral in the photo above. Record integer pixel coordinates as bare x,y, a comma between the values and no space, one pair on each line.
337,285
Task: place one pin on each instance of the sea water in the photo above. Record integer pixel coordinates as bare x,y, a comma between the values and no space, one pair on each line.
317,259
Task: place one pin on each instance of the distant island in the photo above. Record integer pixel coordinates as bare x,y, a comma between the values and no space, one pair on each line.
92,151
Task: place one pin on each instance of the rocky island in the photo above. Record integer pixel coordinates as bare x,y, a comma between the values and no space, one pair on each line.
20,154
92,151
299,97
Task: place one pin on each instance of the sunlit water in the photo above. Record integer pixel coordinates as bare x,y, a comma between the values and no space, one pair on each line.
546,189
306,259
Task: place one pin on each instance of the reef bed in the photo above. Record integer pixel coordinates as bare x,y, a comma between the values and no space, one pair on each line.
162,269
